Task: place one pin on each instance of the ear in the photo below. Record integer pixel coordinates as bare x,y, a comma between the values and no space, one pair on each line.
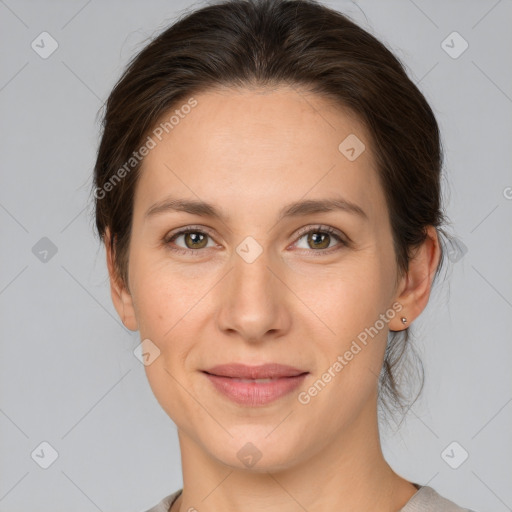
121,297
414,288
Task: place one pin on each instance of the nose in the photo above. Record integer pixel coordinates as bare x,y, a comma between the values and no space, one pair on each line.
254,300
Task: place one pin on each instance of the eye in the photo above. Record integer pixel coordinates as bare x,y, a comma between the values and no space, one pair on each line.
319,238
193,239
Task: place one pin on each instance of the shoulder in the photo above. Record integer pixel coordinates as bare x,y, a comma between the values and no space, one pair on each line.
428,500
425,500
165,504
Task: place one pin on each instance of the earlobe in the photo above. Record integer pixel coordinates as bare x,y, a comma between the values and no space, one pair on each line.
416,285
121,297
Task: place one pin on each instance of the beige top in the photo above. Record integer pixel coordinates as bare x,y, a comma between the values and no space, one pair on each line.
424,500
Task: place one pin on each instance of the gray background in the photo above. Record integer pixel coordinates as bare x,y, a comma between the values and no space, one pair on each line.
68,375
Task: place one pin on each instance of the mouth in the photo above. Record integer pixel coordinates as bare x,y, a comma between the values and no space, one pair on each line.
255,385
260,372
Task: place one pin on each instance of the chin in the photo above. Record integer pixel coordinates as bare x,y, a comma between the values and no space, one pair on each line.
253,449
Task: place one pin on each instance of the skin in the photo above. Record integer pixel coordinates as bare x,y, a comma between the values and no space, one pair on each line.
250,152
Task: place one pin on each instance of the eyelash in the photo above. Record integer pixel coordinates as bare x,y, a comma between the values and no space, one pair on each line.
306,231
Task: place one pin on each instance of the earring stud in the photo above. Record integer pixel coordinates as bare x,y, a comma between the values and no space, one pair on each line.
404,320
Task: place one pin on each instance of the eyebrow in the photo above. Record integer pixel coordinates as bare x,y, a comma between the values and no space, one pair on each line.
295,209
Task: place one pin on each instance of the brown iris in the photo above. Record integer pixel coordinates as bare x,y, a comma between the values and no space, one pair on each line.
315,236
194,237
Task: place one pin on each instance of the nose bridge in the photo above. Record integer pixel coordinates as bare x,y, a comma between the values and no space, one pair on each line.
253,297
252,280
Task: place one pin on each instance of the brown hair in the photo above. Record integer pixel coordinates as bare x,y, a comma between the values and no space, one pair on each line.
245,43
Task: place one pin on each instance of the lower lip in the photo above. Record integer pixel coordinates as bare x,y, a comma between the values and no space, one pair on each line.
255,393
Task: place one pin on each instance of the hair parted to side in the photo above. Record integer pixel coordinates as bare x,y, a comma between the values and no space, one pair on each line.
267,43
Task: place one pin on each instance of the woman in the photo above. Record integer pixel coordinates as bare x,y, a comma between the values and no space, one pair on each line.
267,188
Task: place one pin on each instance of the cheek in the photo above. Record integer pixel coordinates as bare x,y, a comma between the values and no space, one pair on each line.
171,307
162,310
159,295
165,312
348,298
350,303
350,357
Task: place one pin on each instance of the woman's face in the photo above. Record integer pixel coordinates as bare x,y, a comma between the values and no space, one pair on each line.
253,287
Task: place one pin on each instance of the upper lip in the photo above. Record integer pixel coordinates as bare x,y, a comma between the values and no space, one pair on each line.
264,371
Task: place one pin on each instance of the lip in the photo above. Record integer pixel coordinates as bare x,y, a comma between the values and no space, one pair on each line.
262,371
238,382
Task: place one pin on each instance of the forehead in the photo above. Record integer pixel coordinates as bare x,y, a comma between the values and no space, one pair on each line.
260,147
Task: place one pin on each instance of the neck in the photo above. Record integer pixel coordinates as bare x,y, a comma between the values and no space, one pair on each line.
348,474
